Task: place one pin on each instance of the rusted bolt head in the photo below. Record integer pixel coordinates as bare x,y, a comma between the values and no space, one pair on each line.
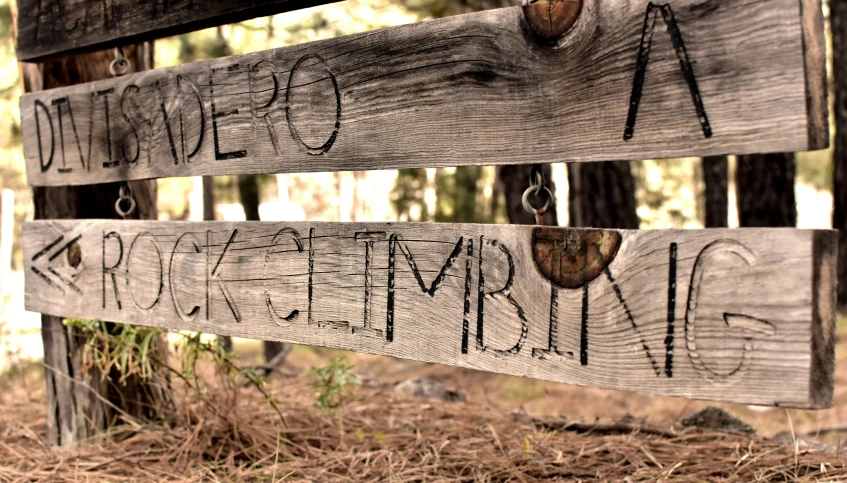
552,19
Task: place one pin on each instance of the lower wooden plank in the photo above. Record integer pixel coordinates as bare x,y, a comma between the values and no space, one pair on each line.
731,315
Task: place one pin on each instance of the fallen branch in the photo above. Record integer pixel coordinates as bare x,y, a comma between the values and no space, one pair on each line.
600,429
272,365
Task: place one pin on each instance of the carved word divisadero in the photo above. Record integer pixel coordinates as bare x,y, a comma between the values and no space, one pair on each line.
167,119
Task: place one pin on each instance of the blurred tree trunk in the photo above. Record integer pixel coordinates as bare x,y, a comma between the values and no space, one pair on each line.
765,190
208,198
514,180
716,179
467,189
602,195
75,410
838,17
248,189
409,195
456,195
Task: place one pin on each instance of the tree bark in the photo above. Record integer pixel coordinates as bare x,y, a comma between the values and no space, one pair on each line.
76,410
514,180
716,179
838,17
765,190
602,195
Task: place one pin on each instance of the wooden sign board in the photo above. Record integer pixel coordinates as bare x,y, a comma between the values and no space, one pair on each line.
630,80
49,28
744,316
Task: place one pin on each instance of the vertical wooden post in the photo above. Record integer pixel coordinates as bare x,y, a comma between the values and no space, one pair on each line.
838,17
75,409
7,227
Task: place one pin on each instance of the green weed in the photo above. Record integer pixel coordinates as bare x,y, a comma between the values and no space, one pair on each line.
333,383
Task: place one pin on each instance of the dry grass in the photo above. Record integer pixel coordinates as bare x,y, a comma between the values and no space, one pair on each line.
382,436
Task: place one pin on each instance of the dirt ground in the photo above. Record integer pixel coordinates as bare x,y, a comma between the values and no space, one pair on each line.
510,429
546,399
384,436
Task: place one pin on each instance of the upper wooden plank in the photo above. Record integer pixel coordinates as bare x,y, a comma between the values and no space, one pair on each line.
49,28
744,316
630,80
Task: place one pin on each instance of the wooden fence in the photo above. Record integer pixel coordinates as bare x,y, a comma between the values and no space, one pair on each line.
733,315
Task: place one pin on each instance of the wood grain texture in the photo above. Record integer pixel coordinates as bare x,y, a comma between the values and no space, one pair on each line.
731,315
51,28
709,78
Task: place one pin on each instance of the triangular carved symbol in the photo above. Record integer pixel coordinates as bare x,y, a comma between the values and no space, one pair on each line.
45,268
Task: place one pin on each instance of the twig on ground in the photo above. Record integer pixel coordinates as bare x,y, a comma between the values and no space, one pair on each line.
600,429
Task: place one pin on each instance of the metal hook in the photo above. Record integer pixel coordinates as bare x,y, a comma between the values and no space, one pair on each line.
537,188
125,195
120,66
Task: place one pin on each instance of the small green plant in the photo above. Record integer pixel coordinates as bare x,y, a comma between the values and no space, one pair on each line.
522,390
526,448
333,383
134,351
129,349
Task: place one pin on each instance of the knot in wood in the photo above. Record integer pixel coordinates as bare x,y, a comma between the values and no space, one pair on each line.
572,258
552,19
74,254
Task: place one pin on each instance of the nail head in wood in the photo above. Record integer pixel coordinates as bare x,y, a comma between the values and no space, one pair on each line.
552,19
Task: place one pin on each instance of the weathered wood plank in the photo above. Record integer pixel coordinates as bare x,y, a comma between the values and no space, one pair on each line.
730,315
49,28
480,88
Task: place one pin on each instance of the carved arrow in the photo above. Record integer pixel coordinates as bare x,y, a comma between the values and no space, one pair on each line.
74,259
